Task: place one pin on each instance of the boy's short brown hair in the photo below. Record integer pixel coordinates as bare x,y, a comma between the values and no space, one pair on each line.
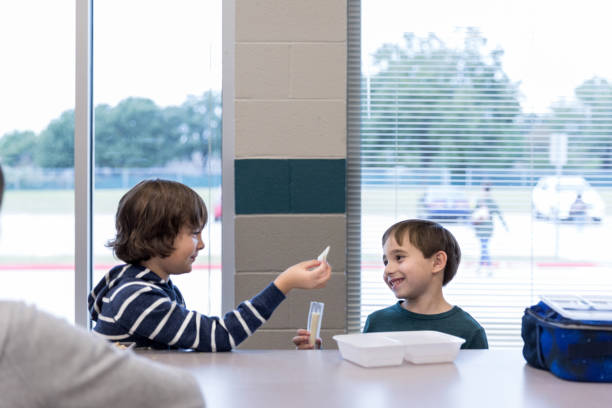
429,237
150,216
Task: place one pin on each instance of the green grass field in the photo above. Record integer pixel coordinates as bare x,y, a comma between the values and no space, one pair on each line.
379,200
376,200
62,201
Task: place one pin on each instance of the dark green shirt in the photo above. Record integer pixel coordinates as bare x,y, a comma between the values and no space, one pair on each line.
456,322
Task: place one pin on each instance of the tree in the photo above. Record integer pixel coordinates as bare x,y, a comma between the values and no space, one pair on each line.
55,148
17,148
595,95
198,123
132,134
135,133
442,106
587,123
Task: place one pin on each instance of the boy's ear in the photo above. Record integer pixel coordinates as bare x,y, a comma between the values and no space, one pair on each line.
439,261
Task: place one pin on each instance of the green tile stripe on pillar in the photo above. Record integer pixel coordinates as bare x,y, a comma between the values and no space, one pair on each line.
281,186
318,186
262,186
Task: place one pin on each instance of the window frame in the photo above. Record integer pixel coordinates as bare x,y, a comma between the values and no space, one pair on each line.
534,145
83,166
83,158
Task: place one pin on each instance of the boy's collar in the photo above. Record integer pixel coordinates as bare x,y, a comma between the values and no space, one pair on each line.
149,275
442,311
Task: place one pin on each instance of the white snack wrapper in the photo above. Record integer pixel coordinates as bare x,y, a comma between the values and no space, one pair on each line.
323,256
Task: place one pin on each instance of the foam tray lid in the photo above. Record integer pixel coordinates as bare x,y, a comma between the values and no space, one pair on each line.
575,307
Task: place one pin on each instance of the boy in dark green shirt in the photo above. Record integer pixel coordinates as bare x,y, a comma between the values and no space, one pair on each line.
455,321
420,257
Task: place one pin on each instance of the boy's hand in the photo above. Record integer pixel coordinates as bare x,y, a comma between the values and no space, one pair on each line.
303,276
301,341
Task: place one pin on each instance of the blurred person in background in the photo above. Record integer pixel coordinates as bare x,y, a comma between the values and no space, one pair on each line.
578,212
482,220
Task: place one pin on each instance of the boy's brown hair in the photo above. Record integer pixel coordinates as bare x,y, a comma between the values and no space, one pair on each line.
150,216
429,237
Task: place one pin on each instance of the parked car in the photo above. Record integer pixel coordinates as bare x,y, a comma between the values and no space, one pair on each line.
218,211
553,197
444,203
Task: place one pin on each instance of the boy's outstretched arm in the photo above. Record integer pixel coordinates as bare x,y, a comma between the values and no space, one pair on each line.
142,310
312,274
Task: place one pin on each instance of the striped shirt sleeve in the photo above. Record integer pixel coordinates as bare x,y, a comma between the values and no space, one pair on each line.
143,311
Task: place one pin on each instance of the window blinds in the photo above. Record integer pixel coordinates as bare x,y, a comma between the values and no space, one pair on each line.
436,128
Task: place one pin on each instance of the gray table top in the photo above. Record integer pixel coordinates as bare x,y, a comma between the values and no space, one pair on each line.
291,378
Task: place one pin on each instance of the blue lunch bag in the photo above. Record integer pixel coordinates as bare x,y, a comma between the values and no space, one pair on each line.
576,350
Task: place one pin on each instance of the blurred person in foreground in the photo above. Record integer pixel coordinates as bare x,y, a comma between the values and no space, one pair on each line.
46,362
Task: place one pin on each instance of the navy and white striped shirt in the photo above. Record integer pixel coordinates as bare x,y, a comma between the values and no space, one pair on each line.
133,304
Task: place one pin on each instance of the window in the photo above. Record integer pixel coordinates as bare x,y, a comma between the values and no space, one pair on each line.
157,98
457,103
157,86
36,130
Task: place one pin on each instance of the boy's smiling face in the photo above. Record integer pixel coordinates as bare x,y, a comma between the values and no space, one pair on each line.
187,244
408,273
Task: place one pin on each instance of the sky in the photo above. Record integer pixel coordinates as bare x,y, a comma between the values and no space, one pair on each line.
167,50
159,49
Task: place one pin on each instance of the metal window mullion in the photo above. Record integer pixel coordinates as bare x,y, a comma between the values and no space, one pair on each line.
227,152
83,166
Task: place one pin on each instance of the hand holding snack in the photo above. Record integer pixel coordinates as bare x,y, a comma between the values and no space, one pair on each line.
301,341
312,274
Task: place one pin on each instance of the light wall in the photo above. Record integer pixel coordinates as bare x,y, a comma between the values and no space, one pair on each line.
289,109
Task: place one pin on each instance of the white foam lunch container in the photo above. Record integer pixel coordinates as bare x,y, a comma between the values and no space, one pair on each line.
426,346
370,351
391,348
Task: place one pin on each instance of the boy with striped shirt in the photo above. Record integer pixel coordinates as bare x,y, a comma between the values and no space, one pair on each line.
159,225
